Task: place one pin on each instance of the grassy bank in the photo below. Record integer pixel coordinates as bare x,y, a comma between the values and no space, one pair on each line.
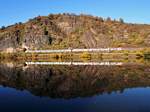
82,55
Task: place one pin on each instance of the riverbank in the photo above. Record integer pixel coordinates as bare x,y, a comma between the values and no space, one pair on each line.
70,56
78,54
85,54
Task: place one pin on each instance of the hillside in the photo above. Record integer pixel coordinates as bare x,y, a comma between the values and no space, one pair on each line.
75,31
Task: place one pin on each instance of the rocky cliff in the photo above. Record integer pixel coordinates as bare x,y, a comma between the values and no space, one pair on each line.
76,31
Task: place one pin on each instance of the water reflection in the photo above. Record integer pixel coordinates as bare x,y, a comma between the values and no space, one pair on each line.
75,63
69,82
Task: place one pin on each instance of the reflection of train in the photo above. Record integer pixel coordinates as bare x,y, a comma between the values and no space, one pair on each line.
74,50
75,63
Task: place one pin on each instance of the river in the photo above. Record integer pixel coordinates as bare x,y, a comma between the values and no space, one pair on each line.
100,87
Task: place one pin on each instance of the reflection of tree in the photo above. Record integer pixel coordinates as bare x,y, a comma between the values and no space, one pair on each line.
74,81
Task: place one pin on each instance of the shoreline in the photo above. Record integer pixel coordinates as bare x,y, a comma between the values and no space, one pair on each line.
79,55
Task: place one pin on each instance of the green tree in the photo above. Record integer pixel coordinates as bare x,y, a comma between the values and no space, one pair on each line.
3,28
121,20
45,31
108,19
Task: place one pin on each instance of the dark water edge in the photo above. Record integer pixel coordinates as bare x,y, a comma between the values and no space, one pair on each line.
38,88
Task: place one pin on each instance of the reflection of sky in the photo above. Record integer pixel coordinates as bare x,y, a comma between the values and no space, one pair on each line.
131,100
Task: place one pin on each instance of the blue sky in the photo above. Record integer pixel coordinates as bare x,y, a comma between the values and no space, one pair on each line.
135,11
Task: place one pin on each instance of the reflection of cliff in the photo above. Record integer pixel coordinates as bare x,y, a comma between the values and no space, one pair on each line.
74,81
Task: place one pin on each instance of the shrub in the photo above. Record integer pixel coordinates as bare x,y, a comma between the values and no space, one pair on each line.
85,55
147,55
50,40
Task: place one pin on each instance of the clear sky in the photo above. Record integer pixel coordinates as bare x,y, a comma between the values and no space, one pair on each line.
135,11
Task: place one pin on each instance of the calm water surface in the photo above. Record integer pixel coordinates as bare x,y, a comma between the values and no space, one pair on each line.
84,88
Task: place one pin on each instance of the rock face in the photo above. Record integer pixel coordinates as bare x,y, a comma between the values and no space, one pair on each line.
76,31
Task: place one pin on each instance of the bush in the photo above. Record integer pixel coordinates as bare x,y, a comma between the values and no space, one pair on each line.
147,55
85,55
